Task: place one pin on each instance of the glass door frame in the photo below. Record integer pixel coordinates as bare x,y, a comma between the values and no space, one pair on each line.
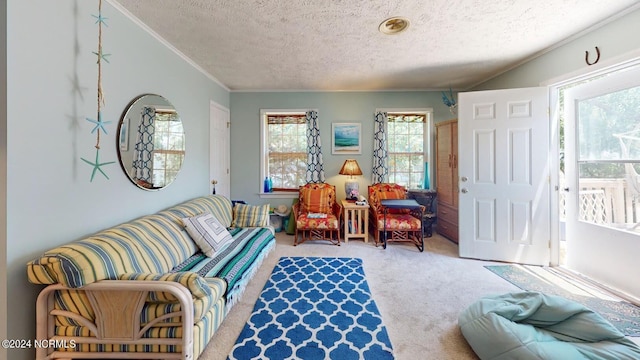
556,86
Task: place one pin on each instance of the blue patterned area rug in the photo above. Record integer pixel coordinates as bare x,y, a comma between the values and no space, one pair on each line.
624,315
314,308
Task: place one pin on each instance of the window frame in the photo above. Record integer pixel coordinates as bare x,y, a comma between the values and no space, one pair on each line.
428,136
165,113
264,155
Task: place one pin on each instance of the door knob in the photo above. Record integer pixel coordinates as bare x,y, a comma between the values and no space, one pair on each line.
214,182
464,190
464,179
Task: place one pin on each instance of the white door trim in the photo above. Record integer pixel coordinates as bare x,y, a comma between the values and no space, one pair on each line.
219,172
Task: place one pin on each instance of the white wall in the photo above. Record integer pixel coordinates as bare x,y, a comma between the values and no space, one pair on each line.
614,39
609,260
50,200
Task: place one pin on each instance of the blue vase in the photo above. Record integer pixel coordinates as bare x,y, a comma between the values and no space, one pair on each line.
267,186
426,184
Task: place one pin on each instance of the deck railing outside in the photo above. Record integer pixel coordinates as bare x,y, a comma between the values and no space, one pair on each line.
605,201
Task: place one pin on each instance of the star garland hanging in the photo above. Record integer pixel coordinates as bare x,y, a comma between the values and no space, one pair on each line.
99,123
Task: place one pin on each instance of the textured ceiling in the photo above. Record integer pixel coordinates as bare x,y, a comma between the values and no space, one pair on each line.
336,45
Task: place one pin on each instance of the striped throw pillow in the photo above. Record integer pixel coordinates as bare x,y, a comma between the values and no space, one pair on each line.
250,215
317,198
208,233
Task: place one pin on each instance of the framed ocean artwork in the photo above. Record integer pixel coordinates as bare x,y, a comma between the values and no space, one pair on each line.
346,138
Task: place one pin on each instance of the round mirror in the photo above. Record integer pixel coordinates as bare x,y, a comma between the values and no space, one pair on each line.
150,142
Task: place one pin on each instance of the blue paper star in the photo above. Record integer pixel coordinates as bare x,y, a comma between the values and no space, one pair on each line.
102,56
100,19
96,165
99,123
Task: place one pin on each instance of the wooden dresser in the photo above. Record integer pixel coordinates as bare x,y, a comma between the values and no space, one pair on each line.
447,178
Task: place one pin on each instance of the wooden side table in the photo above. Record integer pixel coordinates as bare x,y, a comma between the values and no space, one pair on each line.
356,221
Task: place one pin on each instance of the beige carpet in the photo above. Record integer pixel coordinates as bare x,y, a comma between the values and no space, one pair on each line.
419,294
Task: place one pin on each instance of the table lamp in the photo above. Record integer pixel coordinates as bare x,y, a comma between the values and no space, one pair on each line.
351,187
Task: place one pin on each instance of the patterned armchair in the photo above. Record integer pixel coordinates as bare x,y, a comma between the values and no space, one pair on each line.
317,214
402,224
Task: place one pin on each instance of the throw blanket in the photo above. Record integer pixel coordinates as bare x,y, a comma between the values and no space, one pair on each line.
242,252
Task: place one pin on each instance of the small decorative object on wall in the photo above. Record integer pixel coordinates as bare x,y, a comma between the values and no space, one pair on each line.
586,57
99,123
346,138
450,101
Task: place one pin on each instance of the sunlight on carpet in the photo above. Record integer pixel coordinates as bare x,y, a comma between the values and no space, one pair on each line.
622,314
572,285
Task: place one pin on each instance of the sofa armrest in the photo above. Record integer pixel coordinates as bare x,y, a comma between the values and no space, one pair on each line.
117,306
198,287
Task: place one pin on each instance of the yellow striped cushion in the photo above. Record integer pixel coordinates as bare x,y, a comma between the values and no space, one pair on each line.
219,206
38,274
250,215
151,310
192,281
75,301
151,244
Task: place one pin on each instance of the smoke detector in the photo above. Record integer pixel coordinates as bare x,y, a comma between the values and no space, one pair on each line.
394,25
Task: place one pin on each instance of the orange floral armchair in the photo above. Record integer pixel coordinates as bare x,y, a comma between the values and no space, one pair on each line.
401,224
317,214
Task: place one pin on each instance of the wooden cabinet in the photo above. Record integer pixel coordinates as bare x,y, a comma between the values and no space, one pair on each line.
447,178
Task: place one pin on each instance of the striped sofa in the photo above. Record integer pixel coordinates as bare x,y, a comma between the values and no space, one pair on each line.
143,289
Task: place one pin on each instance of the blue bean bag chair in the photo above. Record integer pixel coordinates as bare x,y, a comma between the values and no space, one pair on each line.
532,325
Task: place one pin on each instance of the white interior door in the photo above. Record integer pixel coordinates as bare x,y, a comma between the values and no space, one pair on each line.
602,161
503,149
219,148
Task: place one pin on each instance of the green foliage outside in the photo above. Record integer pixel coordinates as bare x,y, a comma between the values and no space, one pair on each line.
602,120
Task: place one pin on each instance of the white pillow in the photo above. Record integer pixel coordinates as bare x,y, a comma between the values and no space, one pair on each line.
208,233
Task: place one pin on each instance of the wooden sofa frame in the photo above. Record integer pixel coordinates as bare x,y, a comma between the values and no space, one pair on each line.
117,305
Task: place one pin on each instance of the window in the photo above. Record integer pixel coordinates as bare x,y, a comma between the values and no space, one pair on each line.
284,159
407,138
168,144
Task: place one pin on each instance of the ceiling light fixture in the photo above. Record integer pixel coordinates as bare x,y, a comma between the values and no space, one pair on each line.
394,25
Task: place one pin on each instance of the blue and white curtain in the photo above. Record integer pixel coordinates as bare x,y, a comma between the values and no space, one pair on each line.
315,171
380,173
143,155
